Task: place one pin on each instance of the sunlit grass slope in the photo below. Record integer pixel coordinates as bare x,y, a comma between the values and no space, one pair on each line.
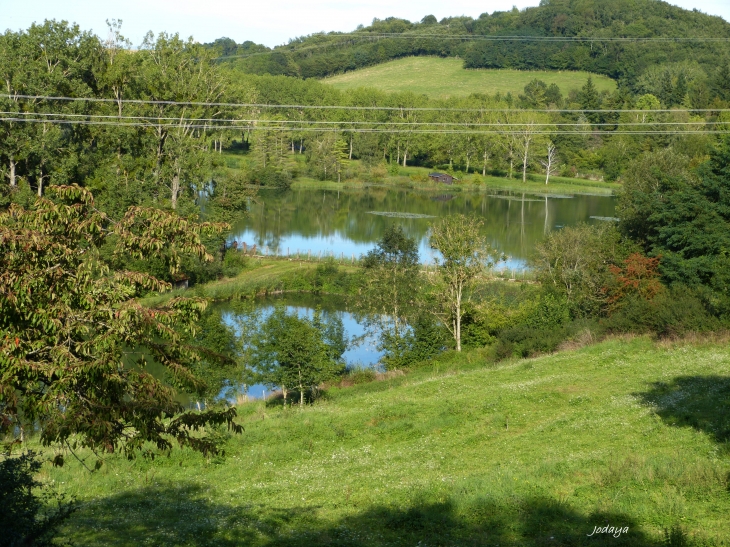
442,78
537,452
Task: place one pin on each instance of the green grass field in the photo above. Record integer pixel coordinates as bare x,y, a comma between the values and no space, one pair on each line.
442,78
625,433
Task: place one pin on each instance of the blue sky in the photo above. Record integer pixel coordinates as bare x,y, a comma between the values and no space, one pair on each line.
269,22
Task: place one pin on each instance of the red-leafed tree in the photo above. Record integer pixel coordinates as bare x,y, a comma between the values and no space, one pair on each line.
639,276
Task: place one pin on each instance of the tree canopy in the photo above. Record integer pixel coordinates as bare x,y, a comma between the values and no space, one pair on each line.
76,345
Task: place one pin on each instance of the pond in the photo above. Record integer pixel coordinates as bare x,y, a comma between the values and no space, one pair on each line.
349,222
362,347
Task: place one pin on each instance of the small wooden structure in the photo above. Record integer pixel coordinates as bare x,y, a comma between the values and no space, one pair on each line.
441,177
180,281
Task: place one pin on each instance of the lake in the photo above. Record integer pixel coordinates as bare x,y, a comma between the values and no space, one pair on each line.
362,346
350,222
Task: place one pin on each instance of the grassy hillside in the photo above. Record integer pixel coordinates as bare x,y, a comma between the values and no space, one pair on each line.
442,78
625,433
328,54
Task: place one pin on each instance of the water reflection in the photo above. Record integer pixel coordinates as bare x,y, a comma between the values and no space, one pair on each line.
362,347
349,222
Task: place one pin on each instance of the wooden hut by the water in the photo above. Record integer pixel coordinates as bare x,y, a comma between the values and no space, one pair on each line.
444,178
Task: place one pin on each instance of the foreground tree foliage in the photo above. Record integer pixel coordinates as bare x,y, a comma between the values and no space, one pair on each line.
76,345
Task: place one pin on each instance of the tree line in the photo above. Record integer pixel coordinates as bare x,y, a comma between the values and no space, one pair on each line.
514,39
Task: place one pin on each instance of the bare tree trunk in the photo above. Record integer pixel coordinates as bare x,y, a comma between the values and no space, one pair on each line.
284,392
301,145
12,172
524,162
40,183
467,164
175,188
484,165
458,321
405,156
301,391
350,147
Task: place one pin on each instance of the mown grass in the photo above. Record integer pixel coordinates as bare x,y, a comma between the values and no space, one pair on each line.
443,78
537,452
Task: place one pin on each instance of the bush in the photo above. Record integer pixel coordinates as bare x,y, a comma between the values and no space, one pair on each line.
423,341
272,178
30,514
671,313
526,341
233,263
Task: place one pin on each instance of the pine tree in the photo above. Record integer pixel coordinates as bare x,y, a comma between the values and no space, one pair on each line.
590,100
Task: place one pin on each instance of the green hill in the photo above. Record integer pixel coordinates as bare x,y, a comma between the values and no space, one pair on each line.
442,78
556,35
625,433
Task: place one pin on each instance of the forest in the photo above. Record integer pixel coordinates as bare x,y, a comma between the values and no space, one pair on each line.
124,170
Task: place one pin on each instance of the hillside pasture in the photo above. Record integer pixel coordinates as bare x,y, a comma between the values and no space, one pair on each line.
629,433
443,78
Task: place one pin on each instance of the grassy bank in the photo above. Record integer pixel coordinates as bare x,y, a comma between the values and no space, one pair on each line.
360,176
538,452
272,275
417,178
441,78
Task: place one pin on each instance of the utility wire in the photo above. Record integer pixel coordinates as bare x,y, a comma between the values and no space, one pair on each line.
268,122
335,107
338,129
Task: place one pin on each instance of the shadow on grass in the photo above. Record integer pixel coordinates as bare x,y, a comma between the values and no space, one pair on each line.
184,515
699,402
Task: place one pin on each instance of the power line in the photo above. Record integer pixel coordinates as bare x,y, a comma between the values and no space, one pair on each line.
266,123
362,130
349,107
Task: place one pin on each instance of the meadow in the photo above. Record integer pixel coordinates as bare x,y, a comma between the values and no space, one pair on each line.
441,78
629,433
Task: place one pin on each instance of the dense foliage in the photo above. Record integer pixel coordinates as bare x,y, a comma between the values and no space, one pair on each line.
689,63
31,512
76,345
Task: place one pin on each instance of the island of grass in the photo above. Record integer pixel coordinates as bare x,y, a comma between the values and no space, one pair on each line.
441,78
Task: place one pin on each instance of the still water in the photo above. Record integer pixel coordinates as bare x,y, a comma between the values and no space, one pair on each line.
362,348
349,222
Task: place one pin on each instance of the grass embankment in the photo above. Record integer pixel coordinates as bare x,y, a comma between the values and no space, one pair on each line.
441,78
272,275
537,452
360,176
533,185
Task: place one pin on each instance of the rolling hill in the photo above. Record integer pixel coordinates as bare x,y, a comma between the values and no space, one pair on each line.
441,78
622,39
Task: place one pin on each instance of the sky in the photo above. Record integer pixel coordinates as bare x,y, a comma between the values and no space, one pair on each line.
269,22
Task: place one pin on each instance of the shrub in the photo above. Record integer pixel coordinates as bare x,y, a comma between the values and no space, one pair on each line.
673,312
233,263
30,513
526,341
